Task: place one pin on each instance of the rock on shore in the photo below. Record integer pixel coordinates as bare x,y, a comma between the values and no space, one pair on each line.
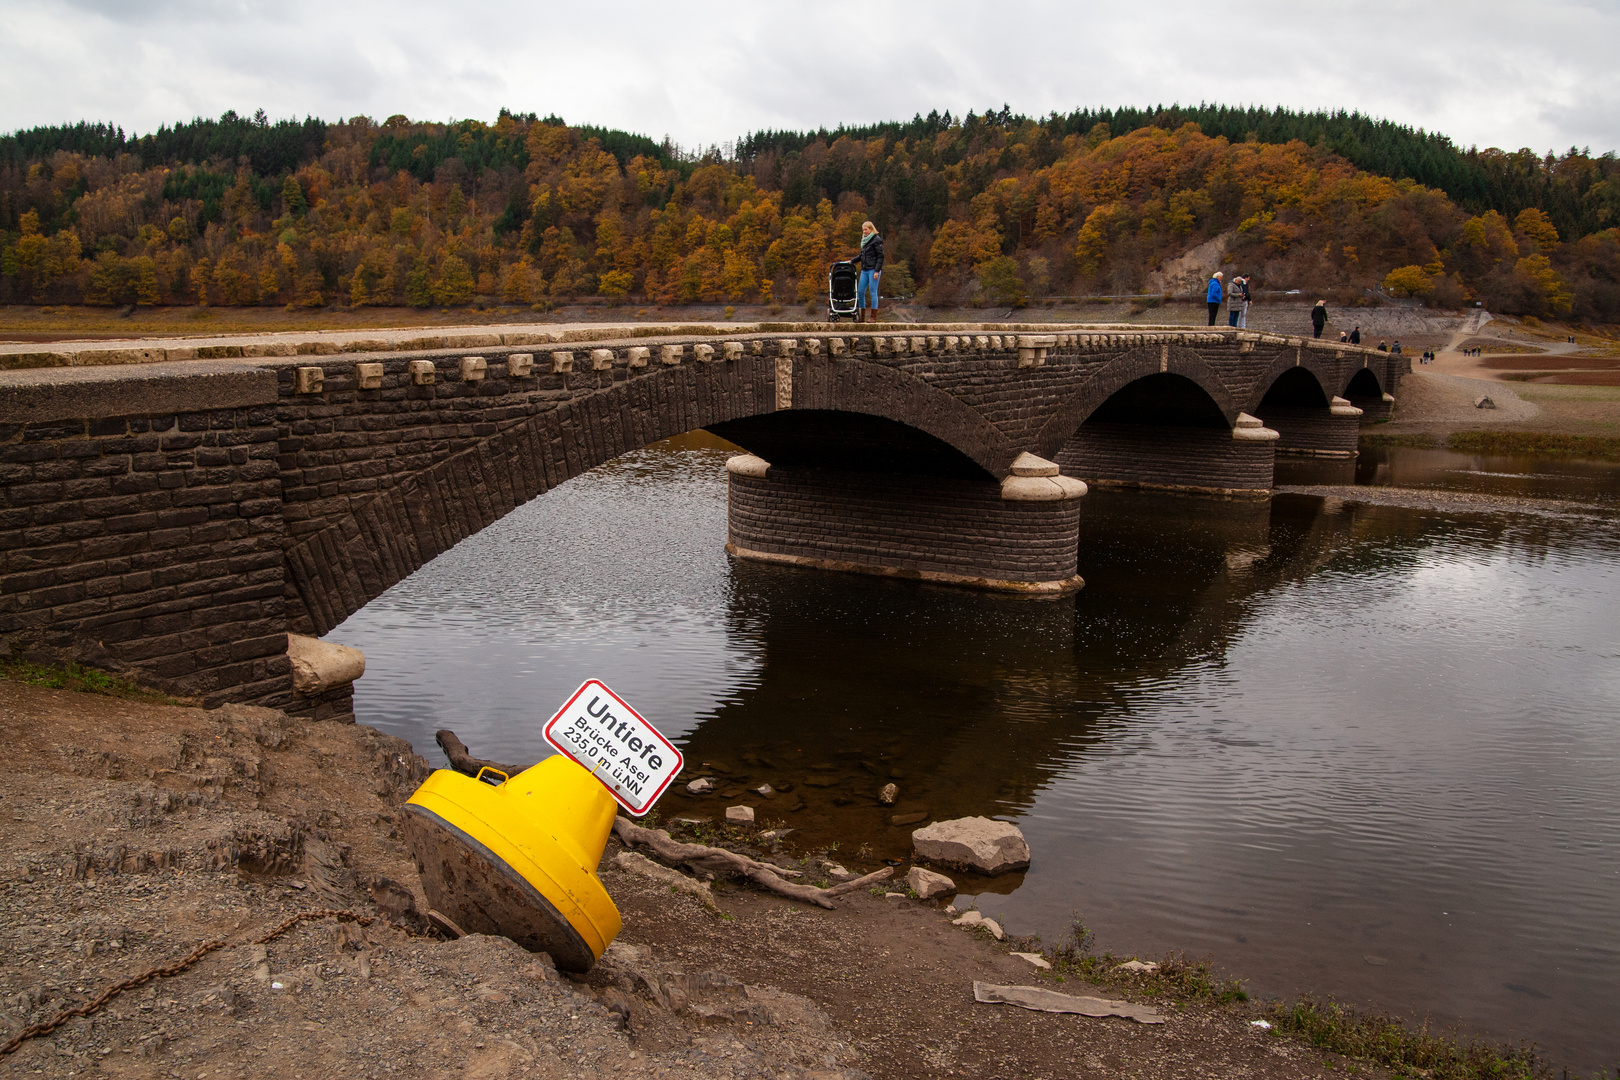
978,843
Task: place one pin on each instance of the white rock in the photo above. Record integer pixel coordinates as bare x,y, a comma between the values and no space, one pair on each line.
894,896
949,909
968,919
838,873
701,786
889,793
927,884
1035,958
739,815
978,843
1144,967
994,928
765,790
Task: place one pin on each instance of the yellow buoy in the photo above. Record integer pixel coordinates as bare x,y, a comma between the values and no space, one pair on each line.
518,857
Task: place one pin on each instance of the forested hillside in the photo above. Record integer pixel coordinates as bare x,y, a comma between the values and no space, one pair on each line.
983,209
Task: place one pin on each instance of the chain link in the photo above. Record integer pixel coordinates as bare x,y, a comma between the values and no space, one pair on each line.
100,1001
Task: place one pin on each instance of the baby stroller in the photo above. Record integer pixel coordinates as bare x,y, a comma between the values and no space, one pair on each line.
841,281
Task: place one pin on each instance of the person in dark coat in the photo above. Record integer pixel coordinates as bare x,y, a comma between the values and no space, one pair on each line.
870,261
1319,317
1355,336
1213,297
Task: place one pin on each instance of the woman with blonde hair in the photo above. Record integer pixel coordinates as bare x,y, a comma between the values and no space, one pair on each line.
870,260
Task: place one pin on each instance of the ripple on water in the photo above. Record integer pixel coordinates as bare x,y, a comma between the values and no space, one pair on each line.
1291,736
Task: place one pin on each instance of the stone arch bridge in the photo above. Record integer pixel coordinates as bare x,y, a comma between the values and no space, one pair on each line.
181,518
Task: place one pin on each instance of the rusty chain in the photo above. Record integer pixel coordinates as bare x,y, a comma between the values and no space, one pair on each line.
100,1001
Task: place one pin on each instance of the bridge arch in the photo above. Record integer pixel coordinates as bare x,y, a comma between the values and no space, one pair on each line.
355,557
1121,372
1363,384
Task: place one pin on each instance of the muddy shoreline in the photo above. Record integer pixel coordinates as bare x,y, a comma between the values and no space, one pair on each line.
134,831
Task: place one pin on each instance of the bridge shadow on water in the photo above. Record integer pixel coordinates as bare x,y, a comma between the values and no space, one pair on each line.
972,703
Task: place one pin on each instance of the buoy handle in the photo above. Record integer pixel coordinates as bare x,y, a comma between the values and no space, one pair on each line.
493,783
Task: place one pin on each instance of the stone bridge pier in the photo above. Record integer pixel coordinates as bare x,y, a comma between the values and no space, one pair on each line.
191,519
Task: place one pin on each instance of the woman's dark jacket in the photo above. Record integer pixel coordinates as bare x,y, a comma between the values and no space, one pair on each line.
871,256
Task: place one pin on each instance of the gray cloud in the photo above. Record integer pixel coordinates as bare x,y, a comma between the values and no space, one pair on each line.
1491,73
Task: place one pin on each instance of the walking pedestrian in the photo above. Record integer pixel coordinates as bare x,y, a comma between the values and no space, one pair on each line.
1212,297
1319,317
1234,302
1355,336
871,264
1395,350
1248,298
1344,338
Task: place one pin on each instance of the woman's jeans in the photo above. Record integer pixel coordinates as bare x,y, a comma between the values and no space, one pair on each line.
866,287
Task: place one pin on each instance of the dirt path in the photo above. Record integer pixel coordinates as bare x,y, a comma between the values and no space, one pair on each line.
133,832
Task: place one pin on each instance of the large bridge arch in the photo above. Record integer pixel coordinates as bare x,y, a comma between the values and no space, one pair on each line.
354,558
1159,418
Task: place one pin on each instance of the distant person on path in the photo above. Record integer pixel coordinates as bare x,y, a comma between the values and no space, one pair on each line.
1248,298
1355,336
1213,296
1319,317
871,263
1234,302
1383,347
1395,350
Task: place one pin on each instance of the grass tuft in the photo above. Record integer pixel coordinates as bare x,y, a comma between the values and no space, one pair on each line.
81,680
1330,1026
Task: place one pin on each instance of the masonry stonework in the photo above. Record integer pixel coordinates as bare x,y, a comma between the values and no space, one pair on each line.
180,518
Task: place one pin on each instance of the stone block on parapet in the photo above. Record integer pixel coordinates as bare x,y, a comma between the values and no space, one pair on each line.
671,355
422,372
601,359
368,376
733,350
473,368
520,365
837,346
703,354
812,346
308,380
787,347
637,356
562,362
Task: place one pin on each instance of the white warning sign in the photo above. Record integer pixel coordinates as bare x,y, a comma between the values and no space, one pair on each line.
598,729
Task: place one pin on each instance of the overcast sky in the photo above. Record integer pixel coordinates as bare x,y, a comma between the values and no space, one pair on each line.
1537,73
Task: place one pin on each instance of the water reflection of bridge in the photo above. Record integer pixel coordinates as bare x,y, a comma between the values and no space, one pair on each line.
972,703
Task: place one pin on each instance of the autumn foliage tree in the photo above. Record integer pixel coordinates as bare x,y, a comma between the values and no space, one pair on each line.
994,209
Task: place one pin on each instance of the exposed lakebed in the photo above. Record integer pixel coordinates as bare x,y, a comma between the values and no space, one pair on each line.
1355,750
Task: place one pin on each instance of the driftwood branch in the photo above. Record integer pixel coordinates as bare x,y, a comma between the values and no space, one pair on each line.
461,758
718,860
700,858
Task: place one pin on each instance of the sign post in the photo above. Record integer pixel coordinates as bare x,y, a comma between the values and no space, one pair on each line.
631,758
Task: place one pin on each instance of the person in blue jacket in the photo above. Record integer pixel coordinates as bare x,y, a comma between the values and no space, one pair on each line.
1213,297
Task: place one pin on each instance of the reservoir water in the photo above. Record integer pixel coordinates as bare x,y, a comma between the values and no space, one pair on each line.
1345,749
